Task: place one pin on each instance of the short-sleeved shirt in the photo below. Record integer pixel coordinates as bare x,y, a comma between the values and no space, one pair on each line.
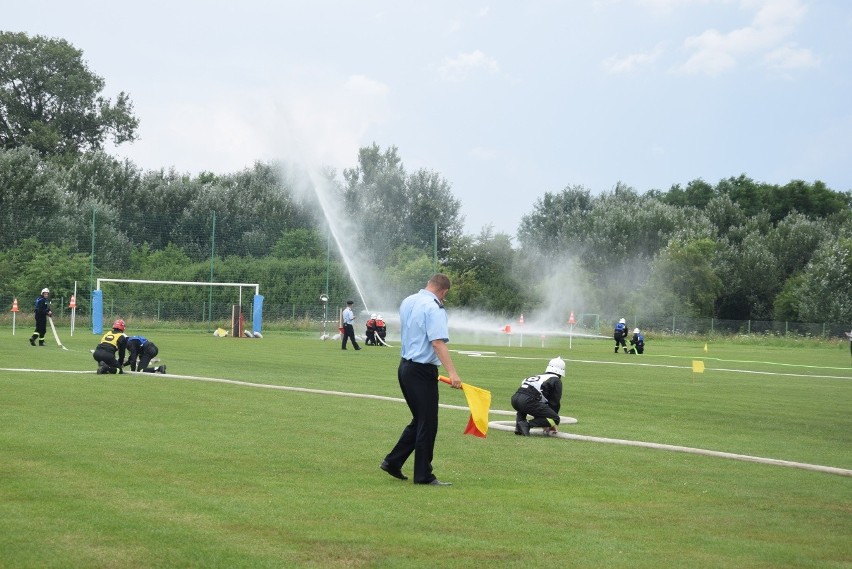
348,316
422,319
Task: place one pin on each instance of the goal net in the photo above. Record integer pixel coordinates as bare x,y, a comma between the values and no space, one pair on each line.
151,300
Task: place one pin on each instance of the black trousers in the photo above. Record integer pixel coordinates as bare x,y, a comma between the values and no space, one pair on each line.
148,352
525,405
419,385
108,357
349,334
40,325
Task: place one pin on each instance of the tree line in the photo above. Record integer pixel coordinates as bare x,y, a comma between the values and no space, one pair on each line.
738,249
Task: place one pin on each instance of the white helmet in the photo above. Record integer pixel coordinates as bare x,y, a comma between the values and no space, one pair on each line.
44,290
636,330
557,366
622,321
379,317
373,316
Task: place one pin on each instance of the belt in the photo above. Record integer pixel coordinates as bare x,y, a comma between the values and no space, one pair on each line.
418,363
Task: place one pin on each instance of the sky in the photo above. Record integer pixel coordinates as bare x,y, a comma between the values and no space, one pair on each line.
505,100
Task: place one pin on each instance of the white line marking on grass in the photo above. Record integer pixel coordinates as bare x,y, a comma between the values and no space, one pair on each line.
510,426
498,425
668,366
45,370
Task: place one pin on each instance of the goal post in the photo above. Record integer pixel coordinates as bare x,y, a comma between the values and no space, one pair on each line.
98,304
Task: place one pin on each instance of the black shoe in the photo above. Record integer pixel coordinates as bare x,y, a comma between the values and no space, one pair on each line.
41,343
32,341
395,472
357,348
522,428
436,482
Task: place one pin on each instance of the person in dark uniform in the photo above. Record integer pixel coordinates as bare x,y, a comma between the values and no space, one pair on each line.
371,331
541,397
349,325
42,313
111,343
424,333
620,335
144,350
637,342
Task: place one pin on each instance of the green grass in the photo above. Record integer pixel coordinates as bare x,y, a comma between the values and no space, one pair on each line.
151,471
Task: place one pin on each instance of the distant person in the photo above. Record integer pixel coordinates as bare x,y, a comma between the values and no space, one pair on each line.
424,333
112,343
381,331
371,331
42,313
849,335
141,351
349,325
637,342
541,397
620,335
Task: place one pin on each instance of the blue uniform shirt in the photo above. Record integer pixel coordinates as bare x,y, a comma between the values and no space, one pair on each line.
422,319
348,316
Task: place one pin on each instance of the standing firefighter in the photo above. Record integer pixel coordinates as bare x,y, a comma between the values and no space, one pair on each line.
42,313
141,351
111,342
619,334
637,342
540,396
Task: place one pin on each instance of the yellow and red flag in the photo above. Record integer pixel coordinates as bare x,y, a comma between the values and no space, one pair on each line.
479,402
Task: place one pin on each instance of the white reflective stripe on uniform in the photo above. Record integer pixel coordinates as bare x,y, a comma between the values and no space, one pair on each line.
535,382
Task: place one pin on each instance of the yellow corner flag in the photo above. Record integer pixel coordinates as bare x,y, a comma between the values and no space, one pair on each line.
697,366
705,347
479,401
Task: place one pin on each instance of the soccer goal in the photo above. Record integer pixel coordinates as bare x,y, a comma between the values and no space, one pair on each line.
236,314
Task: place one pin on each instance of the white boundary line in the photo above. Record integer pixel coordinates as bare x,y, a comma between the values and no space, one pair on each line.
498,425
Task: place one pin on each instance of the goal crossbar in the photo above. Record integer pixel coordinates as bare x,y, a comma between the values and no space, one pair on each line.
191,283
97,298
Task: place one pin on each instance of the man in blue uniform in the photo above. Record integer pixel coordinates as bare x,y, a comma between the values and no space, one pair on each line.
424,335
349,325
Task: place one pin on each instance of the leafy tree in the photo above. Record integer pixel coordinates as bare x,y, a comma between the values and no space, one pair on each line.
684,280
33,265
751,277
794,240
823,293
51,101
391,208
295,243
554,218
485,267
30,197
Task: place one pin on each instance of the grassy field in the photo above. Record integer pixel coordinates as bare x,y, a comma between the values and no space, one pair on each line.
157,471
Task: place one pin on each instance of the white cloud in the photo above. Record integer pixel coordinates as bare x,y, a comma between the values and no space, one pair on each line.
632,61
460,67
714,52
789,57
